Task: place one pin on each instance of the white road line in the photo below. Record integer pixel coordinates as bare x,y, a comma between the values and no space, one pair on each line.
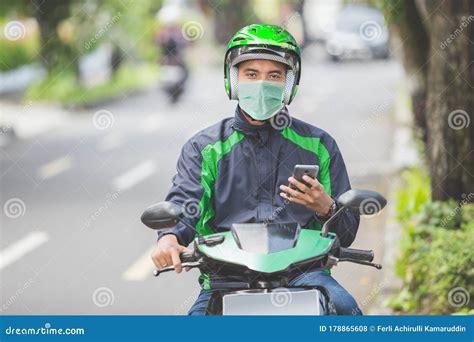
18,249
55,167
135,175
140,269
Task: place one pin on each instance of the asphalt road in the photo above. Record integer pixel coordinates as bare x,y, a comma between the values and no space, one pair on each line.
71,240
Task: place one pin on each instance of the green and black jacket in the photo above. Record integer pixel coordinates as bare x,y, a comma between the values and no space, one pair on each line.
231,172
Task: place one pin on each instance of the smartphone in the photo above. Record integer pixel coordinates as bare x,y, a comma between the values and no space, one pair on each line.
300,170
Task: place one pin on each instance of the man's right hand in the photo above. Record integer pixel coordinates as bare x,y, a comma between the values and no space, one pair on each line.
167,253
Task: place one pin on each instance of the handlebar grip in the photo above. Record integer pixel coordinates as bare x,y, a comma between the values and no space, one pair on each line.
357,254
187,257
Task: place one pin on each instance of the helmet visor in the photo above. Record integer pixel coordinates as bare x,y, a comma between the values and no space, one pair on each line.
248,52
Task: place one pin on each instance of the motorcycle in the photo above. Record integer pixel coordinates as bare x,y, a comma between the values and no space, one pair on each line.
250,265
173,80
173,69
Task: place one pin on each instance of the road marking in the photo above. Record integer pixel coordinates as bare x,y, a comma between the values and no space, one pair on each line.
55,167
110,141
18,249
135,175
140,269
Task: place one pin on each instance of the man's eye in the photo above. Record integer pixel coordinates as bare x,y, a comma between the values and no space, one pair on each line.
251,75
275,77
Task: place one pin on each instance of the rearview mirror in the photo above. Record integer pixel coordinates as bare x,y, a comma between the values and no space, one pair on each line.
362,202
161,215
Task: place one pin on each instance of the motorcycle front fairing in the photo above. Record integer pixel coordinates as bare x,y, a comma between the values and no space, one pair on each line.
250,269
268,249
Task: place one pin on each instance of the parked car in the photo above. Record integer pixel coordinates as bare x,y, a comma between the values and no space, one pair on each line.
359,32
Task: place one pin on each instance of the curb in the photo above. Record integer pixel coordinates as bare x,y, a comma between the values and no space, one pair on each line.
392,235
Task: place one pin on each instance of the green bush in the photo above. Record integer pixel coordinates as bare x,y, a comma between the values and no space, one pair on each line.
414,193
437,254
14,54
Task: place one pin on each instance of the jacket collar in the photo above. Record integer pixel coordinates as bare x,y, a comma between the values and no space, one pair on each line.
241,123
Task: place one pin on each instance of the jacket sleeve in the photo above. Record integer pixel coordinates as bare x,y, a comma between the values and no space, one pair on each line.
347,224
337,180
186,191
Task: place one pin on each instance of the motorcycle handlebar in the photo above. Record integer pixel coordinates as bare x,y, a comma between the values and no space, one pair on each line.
187,257
356,254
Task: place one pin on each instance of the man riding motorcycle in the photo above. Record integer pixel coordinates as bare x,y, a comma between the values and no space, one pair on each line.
237,170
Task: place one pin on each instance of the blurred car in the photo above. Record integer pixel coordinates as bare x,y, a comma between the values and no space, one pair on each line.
359,32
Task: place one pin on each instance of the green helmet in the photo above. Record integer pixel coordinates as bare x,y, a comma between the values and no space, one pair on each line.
260,41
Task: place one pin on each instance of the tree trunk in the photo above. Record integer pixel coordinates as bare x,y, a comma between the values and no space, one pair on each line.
230,16
450,100
299,8
408,26
55,55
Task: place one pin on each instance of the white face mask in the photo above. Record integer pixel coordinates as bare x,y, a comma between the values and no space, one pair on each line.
261,99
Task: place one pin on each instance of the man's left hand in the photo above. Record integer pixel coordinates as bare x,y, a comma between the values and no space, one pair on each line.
312,197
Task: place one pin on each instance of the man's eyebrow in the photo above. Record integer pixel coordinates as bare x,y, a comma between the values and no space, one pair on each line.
250,69
278,71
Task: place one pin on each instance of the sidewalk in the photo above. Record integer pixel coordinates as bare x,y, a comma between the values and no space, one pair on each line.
28,120
404,155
